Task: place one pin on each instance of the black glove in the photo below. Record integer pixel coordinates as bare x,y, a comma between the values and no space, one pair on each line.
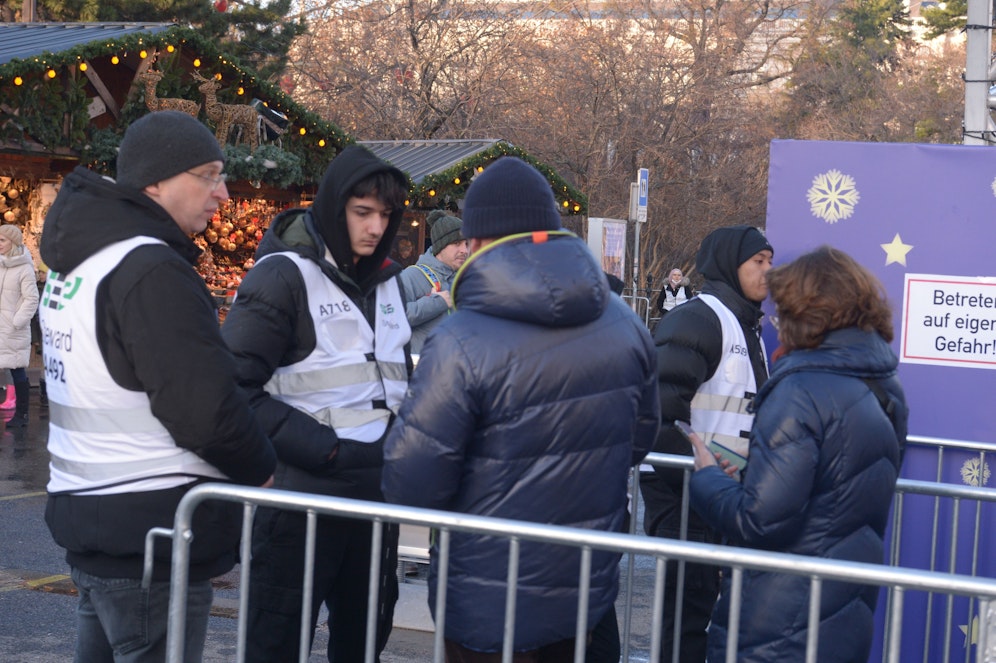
354,455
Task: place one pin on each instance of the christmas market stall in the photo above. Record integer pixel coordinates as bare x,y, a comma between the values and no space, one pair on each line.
69,90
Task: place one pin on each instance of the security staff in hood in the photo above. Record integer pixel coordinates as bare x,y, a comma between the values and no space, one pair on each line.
711,362
319,333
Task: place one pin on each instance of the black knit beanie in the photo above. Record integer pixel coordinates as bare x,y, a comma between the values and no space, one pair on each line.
162,144
443,230
509,197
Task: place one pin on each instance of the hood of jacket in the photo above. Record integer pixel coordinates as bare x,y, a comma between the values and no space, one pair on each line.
718,258
353,164
850,351
296,230
23,258
551,280
92,212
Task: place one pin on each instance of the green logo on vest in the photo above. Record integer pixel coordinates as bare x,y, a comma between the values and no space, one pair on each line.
59,290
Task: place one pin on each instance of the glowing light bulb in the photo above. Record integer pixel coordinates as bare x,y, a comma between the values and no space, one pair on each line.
115,59
83,66
50,73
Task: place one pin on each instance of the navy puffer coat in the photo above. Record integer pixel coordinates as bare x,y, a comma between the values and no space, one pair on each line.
824,459
531,401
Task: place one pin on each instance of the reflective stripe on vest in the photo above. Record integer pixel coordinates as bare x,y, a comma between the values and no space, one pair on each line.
719,407
356,376
100,433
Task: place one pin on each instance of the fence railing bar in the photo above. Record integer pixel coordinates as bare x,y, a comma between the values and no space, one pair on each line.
442,583
511,587
896,625
584,587
245,552
307,587
813,628
660,580
373,590
733,621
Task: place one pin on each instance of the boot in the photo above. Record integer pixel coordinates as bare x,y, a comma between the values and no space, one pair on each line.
20,418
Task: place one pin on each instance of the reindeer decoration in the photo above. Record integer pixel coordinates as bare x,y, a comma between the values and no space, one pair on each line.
151,77
225,116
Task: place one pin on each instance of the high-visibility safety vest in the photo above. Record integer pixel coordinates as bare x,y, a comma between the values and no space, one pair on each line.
719,407
356,376
102,438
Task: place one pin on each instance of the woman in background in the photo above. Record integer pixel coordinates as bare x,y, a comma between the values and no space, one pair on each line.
676,291
825,453
18,303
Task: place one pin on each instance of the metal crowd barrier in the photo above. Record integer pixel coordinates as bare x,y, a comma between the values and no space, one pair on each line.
898,582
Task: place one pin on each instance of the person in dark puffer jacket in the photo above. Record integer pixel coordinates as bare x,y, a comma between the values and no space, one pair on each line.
825,453
531,401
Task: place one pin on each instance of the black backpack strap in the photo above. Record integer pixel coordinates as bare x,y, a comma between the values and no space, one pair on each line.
889,407
887,404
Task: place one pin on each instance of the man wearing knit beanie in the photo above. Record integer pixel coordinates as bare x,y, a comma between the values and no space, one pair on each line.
540,384
427,283
143,397
712,361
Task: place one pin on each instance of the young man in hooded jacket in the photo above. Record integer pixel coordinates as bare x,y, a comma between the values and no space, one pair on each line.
711,362
531,401
142,392
320,337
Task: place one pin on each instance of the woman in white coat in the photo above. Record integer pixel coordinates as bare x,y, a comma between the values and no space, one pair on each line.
18,303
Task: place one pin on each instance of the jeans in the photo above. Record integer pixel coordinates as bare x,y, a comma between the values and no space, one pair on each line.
119,622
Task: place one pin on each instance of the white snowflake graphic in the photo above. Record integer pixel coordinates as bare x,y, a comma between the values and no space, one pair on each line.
993,186
974,472
832,196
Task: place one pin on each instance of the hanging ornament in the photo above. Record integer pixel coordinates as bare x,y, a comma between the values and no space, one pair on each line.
221,5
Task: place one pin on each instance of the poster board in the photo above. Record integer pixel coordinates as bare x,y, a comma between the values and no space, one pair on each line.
922,218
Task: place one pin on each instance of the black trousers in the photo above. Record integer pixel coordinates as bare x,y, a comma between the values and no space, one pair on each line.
662,511
341,577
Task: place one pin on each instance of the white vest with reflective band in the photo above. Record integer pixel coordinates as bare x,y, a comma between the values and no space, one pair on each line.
356,376
719,408
102,438
671,300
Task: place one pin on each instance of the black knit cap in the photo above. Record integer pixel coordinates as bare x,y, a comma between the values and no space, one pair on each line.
509,197
163,144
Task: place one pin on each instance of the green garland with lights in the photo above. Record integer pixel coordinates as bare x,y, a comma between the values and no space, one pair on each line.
304,152
455,180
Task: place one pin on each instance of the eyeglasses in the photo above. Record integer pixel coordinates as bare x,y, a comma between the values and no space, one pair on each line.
215,181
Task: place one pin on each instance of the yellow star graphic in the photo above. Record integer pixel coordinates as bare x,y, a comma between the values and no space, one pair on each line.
895,251
974,639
